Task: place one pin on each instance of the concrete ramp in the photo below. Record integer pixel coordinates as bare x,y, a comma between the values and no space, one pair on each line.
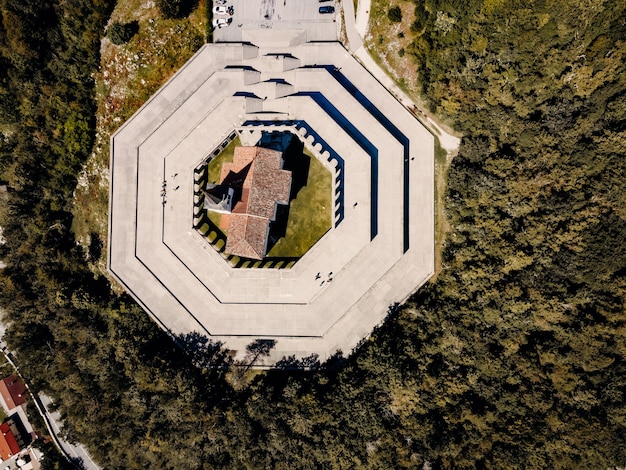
278,62
272,89
271,37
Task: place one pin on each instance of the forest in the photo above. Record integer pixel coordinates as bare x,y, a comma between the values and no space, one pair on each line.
513,356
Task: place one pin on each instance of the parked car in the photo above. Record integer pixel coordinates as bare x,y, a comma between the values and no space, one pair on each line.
327,9
322,1
223,10
220,2
221,22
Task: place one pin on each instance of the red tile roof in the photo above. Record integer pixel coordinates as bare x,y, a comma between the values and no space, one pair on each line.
8,445
13,391
247,236
264,185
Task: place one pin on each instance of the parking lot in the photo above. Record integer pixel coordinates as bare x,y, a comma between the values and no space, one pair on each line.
279,15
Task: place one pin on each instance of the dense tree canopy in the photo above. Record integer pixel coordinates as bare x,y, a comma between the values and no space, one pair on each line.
514,356
120,33
176,8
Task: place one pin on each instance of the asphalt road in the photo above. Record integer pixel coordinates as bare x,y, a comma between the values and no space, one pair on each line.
77,452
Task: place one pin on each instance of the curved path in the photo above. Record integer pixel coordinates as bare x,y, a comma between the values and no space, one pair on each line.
356,29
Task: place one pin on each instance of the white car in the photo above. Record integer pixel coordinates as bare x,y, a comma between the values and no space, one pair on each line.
223,10
220,2
221,22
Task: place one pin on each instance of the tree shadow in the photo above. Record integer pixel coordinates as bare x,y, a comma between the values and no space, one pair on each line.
259,348
306,363
177,8
204,352
77,463
95,247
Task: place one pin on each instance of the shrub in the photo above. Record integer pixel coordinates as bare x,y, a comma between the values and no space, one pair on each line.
176,8
395,14
120,33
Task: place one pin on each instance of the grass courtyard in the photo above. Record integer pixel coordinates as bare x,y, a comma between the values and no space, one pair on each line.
309,215
226,155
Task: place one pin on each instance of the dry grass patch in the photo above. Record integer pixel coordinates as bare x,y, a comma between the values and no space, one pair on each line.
388,42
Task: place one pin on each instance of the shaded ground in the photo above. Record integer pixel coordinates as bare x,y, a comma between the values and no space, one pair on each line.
226,155
310,208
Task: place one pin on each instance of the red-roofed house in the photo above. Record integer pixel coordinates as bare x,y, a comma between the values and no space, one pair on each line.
260,182
13,391
8,444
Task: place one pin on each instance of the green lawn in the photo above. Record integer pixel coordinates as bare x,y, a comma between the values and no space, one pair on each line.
215,168
216,218
309,213
226,155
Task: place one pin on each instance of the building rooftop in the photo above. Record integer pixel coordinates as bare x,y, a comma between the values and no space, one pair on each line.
13,391
247,236
262,184
8,444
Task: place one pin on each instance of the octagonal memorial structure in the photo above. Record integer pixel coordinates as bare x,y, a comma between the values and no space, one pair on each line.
380,245
265,203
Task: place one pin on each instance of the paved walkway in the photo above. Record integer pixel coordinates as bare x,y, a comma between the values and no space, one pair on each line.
362,17
355,37
447,141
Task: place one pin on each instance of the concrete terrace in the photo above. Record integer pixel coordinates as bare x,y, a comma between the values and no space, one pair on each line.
379,250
